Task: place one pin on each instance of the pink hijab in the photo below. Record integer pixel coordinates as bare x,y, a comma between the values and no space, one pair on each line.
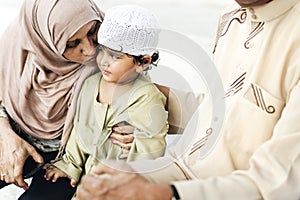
38,86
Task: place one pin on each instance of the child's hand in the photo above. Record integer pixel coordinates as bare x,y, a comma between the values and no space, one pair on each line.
53,173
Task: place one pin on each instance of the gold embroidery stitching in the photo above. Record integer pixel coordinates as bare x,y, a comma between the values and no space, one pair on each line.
236,86
200,143
225,25
260,102
254,32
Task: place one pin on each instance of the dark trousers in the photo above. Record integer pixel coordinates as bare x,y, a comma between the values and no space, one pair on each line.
40,188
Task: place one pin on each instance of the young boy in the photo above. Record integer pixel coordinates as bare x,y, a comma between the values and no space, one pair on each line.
119,94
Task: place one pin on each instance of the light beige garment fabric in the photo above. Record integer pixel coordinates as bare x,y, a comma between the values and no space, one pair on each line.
38,86
257,153
142,106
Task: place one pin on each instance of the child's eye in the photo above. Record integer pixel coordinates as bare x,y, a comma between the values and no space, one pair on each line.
115,57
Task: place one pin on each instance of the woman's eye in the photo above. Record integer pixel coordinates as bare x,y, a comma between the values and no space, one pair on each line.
72,44
93,30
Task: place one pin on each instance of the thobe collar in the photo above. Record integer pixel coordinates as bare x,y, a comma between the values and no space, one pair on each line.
271,10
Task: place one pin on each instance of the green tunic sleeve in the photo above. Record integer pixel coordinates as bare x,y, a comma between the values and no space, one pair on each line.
73,159
149,118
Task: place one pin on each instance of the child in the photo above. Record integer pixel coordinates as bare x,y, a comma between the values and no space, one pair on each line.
119,95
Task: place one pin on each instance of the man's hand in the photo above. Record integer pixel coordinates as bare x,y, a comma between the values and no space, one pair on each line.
110,183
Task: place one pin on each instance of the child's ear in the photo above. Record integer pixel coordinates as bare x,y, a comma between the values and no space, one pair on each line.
144,64
145,60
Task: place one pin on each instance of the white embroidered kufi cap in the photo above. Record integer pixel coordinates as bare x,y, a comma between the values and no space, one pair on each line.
130,29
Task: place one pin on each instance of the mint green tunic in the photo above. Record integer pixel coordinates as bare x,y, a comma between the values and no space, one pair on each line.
142,106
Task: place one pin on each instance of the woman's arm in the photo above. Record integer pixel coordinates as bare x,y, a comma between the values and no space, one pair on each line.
180,105
14,151
166,91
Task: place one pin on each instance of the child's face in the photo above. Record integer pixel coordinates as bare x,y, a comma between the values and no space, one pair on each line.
116,67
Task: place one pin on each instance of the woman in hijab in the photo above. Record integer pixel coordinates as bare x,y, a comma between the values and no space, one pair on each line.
45,56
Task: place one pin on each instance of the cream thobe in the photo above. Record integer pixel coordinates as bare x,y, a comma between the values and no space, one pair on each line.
251,150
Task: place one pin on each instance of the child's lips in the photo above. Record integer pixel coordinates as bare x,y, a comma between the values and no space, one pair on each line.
105,72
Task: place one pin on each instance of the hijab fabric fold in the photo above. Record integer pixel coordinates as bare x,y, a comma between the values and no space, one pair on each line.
38,86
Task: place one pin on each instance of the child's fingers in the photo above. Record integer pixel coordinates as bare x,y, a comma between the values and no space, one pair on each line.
49,174
73,182
53,174
57,174
55,177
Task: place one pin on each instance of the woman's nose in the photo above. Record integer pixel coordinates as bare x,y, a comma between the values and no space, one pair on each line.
88,47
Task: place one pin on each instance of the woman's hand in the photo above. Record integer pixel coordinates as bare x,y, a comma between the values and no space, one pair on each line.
108,183
123,136
13,153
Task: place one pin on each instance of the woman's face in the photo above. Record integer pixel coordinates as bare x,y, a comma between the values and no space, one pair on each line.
250,3
80,48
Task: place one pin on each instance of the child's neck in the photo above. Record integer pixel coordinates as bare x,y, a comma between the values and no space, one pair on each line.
109,91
